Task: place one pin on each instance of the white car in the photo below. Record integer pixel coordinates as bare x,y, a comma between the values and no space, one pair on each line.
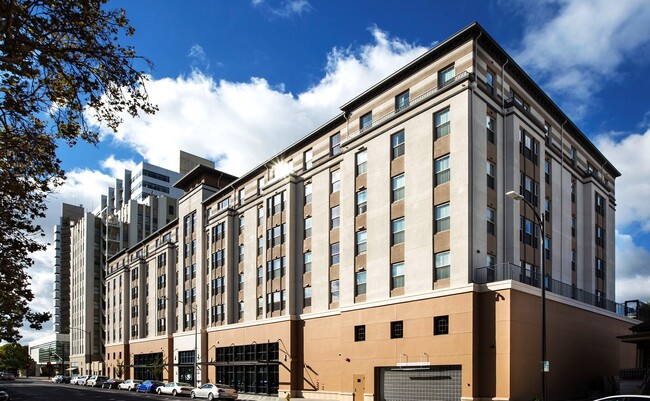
175,388
214,391
81,380
129,385
95,381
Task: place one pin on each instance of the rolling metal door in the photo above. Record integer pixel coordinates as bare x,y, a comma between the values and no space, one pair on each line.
440,383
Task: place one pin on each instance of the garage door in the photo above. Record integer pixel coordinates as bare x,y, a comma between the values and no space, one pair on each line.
440,383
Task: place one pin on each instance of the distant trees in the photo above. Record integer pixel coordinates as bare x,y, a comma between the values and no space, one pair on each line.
60,66
13,356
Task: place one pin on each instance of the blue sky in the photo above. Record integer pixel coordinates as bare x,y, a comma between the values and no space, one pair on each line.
260,74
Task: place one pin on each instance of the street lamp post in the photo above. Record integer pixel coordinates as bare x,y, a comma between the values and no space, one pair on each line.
196,335
540,220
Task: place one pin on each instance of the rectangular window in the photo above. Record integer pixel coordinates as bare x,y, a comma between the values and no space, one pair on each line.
308,157
440,325
275,204
529,188
362,202
359,333
306,297
361,237
446,76
491,219
528,232
547,171
489,80
397,144
442,213
490,125
600,205
442,124
334,291
574,226
241,281
547,247
260,215
260,245
600,268
397,230
335,217
547,209
397,275
362,162
365,121
600,236
306,260
443,174
260,275
490,170
308,193
574,259
402,100
260,306
335,179
334,253
307,227
574,190
335,144
443,264
241,196
396,329
360,283
397,187
260,185
528,146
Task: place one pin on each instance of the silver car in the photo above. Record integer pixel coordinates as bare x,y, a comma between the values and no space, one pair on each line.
129,385
81,380
214,391
175,388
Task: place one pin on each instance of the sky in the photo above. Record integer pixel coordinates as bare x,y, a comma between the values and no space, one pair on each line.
261,74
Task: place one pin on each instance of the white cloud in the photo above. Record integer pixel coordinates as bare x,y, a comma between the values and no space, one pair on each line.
583,44
284,8
632,276
199,58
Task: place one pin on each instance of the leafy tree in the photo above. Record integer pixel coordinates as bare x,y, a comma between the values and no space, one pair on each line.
14,356
62,72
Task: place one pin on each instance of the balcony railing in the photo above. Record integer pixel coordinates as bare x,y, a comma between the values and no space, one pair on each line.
423,97
509,271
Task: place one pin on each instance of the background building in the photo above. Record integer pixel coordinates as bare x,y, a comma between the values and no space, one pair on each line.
379,256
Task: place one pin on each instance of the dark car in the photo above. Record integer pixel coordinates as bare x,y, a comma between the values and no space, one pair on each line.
112,383
149,386
7,376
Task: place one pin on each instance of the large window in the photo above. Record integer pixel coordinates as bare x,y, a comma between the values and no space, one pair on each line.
275,204
490,125
308,193
360,283
528,146
443,173
442,123
446,76
306,297
306,260
362,237
491,220
443,263
334,291
396,329
362,162
529,188
397,231
307,227
397,187
442,214
308,157
397,275
335,217
335,144
365,121
490,170
402,100
362,201
440,325
334,253
397,144
335,179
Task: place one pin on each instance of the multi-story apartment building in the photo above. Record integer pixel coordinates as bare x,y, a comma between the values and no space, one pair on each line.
379,257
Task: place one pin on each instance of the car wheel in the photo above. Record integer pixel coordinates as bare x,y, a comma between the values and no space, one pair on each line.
174,393
192,395
210,396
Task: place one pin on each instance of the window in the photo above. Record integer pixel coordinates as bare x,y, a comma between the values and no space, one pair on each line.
574,226
308,227
443,263
573,259
600,236
335,144
276,268
260,215
397,275
600,268
335,217
491,260
529,188
223,204
402,100
306,260
442,124
396,329
528,146
445,76
528,232
308,189
334,291
440,325
490,169
241,196
306,297
365,121
547,171
360,333
361,237
275,204
275,236
260,306
260,185
397,144
397,230
360,283
489,80
362,202
308,157
442,171
547,209
397,186
574,190
260,275
490,215
362,162
600,205
260,245
442,217
490,125
334,253
335,179
547,247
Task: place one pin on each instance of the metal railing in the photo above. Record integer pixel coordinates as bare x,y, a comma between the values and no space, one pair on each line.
510,271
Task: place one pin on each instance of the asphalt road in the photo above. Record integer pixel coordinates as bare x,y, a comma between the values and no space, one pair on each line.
39,389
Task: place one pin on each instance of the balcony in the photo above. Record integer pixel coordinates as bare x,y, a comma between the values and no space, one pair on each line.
509,271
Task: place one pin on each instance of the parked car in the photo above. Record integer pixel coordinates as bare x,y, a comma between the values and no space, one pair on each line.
73,379
112,383
56,379
7,376
148,386
175,388
214,391
625,398
129,385
81,380
95,381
